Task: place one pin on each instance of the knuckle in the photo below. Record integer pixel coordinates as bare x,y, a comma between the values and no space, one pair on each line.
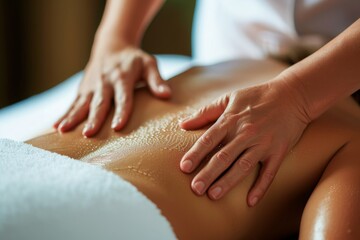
269,176
103,80
70,117
228,118
150,61
124,99
224,101
82,102
223,157
122,74
208,176
98,102
250,128
104,74
228,115
234,95
201,112
206,141
245,165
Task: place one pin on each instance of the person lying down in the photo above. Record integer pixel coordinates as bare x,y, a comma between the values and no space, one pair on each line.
315,193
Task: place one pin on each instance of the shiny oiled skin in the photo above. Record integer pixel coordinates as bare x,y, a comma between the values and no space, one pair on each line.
147,153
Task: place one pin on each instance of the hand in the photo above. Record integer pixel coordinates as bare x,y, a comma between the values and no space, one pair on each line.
112,76
255,125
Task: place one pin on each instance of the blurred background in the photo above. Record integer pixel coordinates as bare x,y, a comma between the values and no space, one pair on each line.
43,42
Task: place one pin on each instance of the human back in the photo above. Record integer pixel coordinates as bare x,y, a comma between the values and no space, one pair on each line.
147,154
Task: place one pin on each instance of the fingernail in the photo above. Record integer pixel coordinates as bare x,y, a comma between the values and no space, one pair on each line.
114,123
215,193
186,165
199,187
163,88
88,127
62,124
184,119
254,201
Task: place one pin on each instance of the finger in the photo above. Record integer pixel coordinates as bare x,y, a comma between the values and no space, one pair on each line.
206,115
124,92
241,168
99,108
263,182
152,76
202,147
57,123
77,114
218,164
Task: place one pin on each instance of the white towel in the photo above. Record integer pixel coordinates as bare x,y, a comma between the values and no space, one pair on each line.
45,195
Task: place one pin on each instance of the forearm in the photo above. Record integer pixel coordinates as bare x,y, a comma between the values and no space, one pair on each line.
329,74
125,21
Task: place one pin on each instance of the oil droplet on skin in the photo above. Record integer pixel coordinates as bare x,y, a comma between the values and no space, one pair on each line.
161,134
148,174
163,131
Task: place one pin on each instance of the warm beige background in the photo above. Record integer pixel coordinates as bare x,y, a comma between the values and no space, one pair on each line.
43,42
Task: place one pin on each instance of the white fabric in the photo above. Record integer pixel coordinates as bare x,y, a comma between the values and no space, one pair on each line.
228,29
33,116
48,196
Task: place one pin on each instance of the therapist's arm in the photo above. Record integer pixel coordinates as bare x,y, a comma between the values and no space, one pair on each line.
115,65
262,123
329,74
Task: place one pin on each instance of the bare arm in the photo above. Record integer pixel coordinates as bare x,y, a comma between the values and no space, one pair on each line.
115,65
262,123
329,74
125,21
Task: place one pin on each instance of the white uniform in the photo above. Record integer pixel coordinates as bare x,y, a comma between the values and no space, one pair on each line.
228,29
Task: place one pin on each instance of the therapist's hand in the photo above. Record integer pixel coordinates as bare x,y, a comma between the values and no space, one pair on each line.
254,125
112,75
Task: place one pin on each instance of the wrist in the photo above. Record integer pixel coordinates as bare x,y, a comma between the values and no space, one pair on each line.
111,35
107,42
295,94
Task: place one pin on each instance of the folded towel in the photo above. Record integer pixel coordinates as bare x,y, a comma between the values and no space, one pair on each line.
45,195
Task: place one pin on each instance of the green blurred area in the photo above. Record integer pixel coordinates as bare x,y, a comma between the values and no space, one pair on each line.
43,42
170,32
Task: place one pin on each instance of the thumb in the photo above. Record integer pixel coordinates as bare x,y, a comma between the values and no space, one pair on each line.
152,76
206,115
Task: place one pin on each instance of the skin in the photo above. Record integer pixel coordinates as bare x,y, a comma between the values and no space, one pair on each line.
317,180
116,66
257,125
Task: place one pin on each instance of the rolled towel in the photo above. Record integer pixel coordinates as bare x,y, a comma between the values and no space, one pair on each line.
44,195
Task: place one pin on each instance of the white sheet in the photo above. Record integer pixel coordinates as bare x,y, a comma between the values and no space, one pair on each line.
33,116
44,195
